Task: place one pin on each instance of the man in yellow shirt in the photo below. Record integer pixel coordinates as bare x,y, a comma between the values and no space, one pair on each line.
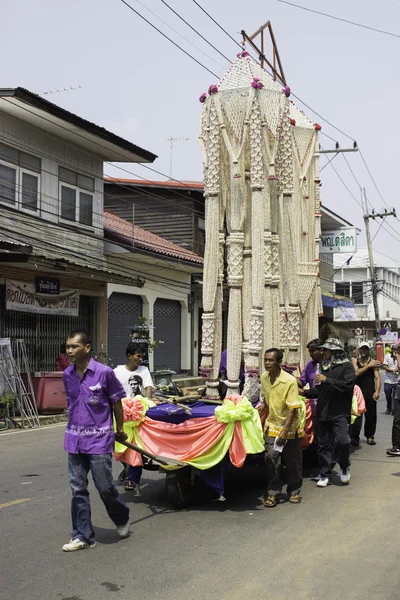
282,428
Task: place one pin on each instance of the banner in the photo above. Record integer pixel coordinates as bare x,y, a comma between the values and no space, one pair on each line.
338,240
390,337
23,297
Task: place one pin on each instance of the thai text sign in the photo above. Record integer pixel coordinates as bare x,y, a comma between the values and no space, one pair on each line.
43,285
339,240
23,297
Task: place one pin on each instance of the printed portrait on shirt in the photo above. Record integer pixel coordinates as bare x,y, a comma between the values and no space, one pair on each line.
136,383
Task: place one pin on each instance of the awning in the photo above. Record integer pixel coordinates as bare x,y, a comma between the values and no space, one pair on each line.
337,330
333,301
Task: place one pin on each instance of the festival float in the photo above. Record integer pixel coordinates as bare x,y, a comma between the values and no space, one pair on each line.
262,206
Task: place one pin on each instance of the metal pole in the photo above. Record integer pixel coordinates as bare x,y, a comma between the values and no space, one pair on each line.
372,271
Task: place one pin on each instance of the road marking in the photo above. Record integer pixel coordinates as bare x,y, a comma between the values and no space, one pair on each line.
14,502
43,428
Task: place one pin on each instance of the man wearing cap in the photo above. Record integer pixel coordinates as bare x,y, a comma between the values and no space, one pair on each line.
368,379
334,390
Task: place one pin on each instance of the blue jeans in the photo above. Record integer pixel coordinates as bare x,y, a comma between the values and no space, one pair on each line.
79,466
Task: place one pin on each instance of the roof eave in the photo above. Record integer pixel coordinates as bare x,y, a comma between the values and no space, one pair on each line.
109,147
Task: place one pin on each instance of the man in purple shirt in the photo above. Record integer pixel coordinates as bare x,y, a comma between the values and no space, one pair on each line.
311,369
93,394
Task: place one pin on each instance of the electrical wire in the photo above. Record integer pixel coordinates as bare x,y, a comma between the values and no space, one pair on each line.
146,192
195,30
73,224
166,37
180,35
340,19
218,25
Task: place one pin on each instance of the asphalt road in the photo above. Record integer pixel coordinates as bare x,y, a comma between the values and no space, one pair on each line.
341,543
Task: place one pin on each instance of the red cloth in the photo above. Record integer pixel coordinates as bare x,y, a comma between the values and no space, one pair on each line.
62,362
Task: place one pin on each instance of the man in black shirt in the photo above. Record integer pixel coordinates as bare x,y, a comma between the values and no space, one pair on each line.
334,389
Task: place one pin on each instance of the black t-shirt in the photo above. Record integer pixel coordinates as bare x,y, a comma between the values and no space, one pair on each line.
366,381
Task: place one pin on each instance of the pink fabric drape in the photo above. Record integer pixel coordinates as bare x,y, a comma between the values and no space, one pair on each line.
185,441
360,400
308,437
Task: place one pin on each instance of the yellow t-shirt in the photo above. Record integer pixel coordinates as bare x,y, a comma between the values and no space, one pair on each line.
279,398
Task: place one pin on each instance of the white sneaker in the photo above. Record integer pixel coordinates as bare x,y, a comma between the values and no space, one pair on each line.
77,544
123,530
345,475
323,481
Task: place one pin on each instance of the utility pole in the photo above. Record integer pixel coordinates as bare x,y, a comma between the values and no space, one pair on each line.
367,216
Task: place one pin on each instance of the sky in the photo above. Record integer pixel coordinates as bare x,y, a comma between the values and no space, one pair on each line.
137,84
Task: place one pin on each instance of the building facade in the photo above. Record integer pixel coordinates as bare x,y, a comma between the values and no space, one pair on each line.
353,278
54,273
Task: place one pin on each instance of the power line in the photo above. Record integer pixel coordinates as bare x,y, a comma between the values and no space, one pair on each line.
195,30
168,38
294,95
124,270
317,12
218,25
178,33
107,162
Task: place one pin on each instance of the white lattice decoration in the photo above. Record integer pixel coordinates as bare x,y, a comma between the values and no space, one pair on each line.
262,184
256,330
234,244
290,327
308,273
276,267
208,331
285,155
267,257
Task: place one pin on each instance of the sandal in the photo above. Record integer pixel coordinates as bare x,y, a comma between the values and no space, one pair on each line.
129,486
271,501
295,499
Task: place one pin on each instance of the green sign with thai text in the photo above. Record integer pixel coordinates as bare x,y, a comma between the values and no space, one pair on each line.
338,240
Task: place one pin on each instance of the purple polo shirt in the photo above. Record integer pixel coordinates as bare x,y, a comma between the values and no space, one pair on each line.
90,419
309,373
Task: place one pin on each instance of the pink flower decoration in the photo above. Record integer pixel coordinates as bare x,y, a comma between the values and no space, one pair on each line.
212,89
286,91
203,97
133,410
256,83
317,127
242,54
292,122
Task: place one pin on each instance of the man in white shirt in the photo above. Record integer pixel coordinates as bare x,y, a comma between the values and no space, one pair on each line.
391,378
134,378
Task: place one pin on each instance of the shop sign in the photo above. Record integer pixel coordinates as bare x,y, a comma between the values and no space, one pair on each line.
390,337
24,298
47,286
338,240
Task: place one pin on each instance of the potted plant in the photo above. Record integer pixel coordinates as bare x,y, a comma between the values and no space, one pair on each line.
7,400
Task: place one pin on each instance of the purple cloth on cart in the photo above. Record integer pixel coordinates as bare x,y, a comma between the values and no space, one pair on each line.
173,414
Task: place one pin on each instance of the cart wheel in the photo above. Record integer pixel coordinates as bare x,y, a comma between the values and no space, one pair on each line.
179,488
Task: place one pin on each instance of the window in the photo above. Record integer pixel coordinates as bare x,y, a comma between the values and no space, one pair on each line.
8,181
357,292
19,179
76,203
343,288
